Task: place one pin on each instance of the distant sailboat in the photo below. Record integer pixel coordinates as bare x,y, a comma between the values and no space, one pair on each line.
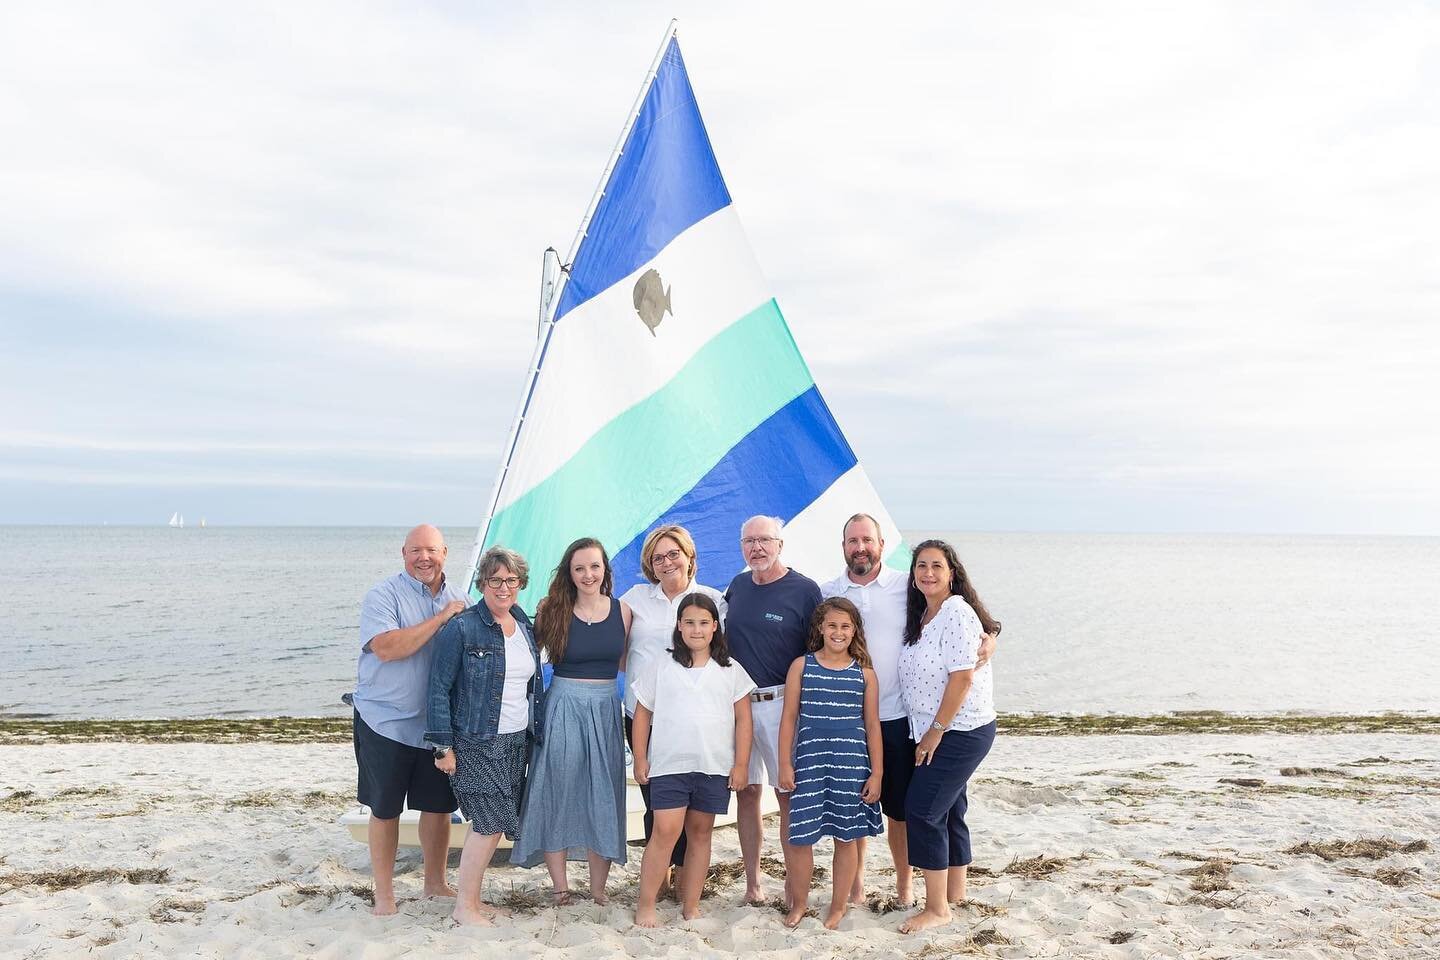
202,523
177,520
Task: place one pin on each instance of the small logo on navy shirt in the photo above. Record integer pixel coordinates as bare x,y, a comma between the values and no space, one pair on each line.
775,617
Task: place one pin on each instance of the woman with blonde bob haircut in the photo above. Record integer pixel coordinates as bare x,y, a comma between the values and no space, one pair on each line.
669,563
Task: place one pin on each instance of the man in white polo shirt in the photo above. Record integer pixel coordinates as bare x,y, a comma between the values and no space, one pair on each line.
880,594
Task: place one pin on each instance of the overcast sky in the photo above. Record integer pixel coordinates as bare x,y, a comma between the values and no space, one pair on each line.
1055,266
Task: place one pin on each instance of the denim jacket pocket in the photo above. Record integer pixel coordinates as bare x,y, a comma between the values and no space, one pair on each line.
480,660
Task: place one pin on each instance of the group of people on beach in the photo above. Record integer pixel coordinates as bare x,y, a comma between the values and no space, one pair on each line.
865,702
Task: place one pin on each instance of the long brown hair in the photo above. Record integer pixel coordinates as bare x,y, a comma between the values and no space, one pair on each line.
719,649
857,650
959,583
552,617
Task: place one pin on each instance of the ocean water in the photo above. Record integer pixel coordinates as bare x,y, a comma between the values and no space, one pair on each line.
146,622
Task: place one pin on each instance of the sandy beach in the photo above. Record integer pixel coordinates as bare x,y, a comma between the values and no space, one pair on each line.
1206,846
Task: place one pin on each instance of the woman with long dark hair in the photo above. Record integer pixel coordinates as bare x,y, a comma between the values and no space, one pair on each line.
575,800
949,697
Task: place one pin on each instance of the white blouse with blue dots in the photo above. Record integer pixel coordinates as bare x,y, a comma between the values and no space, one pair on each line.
948,643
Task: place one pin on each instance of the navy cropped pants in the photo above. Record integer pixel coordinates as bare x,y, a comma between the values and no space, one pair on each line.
936,803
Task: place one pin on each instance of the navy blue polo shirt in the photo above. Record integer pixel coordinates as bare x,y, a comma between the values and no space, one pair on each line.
767,625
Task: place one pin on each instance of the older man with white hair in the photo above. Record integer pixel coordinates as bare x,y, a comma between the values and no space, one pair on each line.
767,623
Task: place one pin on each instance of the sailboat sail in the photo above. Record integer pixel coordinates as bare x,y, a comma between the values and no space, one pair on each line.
666,386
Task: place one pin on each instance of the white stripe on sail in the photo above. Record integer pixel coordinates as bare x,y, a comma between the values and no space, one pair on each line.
812,539
602,359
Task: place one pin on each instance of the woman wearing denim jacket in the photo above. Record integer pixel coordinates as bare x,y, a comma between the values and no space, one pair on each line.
485,700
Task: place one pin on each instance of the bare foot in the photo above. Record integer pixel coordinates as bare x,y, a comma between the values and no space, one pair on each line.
690,913
645,917
472,918
562,898
796,914
836,914
924,920
667,887
857,898
753,894
444,890
492,911
384,906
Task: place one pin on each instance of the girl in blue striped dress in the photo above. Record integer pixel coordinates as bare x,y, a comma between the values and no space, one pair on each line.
830,753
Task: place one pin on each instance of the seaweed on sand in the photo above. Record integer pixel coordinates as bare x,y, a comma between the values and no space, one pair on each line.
1212,876
1233,899
1367,848
720,876
527,899
1390,876
984,909
168,910
71,877
1036,868
22,800
973,945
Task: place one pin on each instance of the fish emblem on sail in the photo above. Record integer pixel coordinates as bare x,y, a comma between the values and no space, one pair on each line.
652,299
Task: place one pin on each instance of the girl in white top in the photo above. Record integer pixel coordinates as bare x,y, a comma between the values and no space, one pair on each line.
700,752
669,563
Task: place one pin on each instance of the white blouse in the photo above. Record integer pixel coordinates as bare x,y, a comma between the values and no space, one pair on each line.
948,643
519,668
652,627
694,708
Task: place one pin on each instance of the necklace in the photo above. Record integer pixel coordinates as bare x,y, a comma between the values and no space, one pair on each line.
588,620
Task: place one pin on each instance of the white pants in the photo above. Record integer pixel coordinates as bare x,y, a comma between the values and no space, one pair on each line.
765,738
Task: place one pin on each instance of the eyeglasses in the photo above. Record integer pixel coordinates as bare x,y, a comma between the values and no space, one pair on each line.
762,541
495,583
673,556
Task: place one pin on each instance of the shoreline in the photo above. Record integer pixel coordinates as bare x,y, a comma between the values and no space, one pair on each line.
21,731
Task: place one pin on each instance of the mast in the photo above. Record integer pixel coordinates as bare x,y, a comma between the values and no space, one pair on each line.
615,154
550,288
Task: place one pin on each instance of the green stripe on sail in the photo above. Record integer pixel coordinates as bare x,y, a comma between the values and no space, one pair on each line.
616,485
898,556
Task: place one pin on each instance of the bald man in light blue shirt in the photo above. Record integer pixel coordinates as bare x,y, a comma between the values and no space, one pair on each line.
399,617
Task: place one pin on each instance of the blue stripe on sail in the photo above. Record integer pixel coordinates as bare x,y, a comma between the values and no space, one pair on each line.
665,181
779,469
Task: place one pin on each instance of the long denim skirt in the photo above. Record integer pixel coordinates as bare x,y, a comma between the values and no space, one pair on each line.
575,796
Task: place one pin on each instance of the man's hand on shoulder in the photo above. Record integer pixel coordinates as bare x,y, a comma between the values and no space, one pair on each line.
987,650
451,609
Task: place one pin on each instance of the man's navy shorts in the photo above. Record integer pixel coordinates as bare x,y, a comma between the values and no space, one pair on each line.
705,792
392,773
898,768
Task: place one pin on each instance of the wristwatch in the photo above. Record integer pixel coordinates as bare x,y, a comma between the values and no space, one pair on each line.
439,752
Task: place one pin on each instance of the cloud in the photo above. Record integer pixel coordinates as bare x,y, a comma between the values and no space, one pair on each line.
1122,253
